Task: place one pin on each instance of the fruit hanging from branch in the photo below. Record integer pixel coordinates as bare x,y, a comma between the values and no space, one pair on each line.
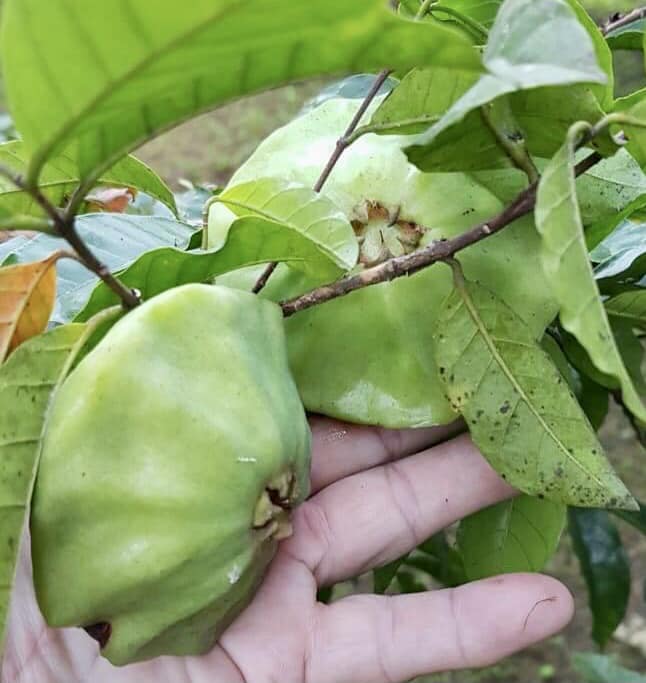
367,357
173,455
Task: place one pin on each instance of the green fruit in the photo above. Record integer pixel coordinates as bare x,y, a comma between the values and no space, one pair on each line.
172,456
368,357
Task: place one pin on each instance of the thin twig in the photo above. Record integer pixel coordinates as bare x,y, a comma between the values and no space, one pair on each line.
341,145
65,228
630,18
423,9
437,251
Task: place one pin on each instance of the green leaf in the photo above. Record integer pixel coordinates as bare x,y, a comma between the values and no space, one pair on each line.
60,177
141,67
565,260
623,252
533,43
595,401
28,381
298,208
609,187
520,411
384,576
117,239
606,569
604,93
636,518
439,560
420,99
630,307
628,37
483,11
517,535
543,117
251,240
635,107
603,669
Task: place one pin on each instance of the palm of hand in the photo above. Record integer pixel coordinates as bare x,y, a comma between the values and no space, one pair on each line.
371,504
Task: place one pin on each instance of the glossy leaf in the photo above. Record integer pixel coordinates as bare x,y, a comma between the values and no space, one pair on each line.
297,208
629,307
532,44
27,295
141,67
250,240
28,381
517,535
565,260
60,177
622,253
606,569
116,239
519,410
595,668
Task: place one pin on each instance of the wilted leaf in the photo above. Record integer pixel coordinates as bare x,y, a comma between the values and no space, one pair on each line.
296,208
178,59
566,263
605,567
110,199
60,176
28,381
517,535
27,295
519,410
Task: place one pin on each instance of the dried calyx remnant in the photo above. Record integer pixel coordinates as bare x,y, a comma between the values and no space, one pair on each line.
271,515
384,234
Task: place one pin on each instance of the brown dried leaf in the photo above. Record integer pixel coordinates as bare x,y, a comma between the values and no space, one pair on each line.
110,199
27,296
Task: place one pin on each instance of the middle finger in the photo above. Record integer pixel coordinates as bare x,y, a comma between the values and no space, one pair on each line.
373,517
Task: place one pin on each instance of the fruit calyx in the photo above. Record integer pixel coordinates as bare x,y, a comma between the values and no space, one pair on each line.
383,234
272,514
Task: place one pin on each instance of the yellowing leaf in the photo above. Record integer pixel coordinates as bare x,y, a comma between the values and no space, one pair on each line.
27,295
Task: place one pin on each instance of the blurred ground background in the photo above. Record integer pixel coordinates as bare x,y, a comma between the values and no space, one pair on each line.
210,148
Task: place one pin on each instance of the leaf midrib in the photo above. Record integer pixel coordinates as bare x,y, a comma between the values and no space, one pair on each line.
40,158
473,312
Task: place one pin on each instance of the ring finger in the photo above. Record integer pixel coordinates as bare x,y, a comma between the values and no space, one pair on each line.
373,517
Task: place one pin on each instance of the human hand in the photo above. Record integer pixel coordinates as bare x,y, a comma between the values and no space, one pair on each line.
371,503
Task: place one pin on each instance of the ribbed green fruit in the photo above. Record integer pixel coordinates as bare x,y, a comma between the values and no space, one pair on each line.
172,456
368,357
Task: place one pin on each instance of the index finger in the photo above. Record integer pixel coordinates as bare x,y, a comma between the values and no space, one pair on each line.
340,449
